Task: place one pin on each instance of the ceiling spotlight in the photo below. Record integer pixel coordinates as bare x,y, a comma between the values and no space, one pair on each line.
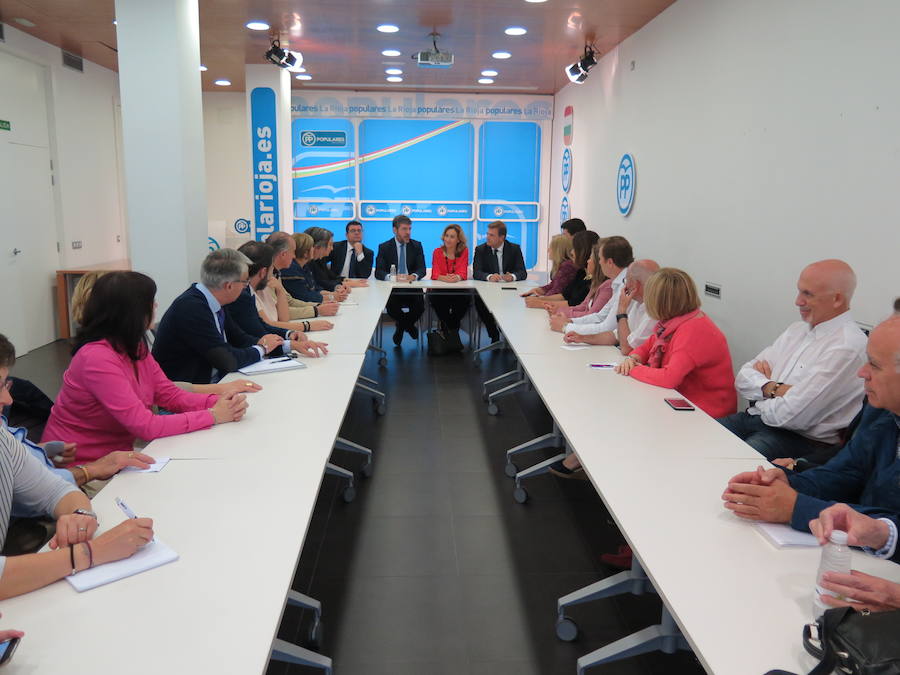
203,68
282,57
578,71
223,83
489,73
387,28
390,52
485,80
515,30
299,69
393,71
257,25
501,55
394,78
304,77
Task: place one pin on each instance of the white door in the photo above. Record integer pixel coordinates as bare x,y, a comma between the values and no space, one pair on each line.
28,253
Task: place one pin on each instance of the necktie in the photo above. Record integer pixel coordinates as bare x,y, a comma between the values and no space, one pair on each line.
401,266
220,320
499,261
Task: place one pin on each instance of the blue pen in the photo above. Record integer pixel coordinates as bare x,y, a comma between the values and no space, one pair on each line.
601,365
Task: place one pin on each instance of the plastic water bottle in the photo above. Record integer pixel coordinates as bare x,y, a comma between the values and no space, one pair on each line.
393,275
835,558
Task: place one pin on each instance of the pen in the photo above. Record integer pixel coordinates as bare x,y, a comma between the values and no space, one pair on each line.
601,365
279,360
125,508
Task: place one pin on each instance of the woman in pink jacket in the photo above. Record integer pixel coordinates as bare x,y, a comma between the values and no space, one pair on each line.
113,381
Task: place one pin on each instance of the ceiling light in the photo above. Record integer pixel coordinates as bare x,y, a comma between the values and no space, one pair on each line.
301,69
394,78
390,52
578,71
387,28
489,73
115,23
257,25
485,80
515,30
393,71
223,83
535,1
24,22
501,55
282,57
304,77
203,68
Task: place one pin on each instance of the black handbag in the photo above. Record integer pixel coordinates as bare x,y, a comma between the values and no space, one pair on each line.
859,643
443,342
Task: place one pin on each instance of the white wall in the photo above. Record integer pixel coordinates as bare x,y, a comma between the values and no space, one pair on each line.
765,136
227,141
82,122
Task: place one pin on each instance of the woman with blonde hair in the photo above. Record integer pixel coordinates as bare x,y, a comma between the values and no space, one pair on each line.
450,264
562,268
80,295
598,295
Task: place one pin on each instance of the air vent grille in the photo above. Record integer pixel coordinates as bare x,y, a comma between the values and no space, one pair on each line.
72,61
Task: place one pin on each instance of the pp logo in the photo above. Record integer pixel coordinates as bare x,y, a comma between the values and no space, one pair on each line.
498,211
565,211
213,244
406,210
370,210
442,210
308,138
242,226
625,184
313,210
566,170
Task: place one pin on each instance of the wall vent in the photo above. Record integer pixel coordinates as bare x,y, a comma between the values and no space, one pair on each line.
713,290
72,61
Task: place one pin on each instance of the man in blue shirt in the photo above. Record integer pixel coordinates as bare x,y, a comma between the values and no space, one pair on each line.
407,256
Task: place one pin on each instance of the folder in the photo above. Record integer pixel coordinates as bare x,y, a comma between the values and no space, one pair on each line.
154,554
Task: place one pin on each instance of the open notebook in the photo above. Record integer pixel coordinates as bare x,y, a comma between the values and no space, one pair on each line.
152,555
272,366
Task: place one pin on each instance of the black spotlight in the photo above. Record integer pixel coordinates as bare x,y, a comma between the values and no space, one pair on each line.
578,71
280,57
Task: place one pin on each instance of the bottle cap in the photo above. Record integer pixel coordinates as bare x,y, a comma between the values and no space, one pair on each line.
838,537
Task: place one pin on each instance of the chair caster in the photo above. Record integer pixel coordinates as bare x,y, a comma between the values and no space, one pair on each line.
349,494
314,639
368,469
492,409
382,362
484,396
566,629
520,494
511,470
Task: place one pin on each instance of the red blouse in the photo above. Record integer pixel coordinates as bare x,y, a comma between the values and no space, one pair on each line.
441,264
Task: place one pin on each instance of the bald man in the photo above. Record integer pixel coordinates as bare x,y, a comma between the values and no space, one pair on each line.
803,390
633,326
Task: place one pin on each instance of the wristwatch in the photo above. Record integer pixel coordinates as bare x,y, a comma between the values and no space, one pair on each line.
619,317
84,512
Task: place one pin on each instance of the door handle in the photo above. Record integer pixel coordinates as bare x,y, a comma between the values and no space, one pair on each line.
17,251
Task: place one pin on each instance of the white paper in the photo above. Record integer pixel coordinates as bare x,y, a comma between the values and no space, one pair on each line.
152,555
573,348
156,467
271,366
784,535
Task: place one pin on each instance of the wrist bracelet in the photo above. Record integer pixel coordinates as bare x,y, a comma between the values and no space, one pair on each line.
315,310
72,558
90,554
87,474
619,317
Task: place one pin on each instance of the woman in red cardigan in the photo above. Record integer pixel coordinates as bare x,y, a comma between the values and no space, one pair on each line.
450,263
687,352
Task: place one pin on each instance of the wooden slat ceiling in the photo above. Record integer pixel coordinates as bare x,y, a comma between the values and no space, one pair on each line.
341,47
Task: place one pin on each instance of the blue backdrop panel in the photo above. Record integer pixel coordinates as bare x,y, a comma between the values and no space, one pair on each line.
425,231
322,151
510,167
523,234
416,160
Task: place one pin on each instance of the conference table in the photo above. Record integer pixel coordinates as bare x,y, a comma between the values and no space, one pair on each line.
235,502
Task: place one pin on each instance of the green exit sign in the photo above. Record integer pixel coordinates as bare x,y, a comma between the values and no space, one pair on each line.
5,125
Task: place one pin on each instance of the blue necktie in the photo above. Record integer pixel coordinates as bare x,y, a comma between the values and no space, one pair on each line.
220,319
401,267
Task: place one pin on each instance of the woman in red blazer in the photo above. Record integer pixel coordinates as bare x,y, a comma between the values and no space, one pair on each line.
450,263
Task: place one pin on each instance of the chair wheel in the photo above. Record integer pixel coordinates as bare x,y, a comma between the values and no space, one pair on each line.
566,629
380,409
492,409
349,494
315,634
382,361
368,469
511,470
520,494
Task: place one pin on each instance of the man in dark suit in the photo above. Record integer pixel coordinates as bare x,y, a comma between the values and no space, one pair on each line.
407,255
197,340
245,313
349,258
496,260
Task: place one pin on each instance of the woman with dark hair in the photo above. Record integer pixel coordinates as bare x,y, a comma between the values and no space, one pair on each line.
113,381
578,284
450,264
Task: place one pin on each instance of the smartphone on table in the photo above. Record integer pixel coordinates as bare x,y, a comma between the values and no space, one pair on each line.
7,649
679,404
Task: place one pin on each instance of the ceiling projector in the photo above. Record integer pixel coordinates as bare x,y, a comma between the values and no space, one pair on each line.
433,58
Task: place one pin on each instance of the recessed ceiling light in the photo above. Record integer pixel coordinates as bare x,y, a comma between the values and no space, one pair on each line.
535,1
394,78
485,80
223,83
515,30
501,55
393,71
387,28
489,73
203,68
304,77
390,52
24,22
257,25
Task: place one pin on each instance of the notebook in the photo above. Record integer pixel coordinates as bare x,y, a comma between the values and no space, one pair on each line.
156,467
784,535
272,366
154,554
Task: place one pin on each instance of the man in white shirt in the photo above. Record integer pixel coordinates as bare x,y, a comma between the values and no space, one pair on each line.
633,325
615,257
803,389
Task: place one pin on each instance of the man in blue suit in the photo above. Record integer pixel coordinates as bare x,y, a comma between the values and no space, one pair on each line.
407,255
197,340
496,260
349,258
